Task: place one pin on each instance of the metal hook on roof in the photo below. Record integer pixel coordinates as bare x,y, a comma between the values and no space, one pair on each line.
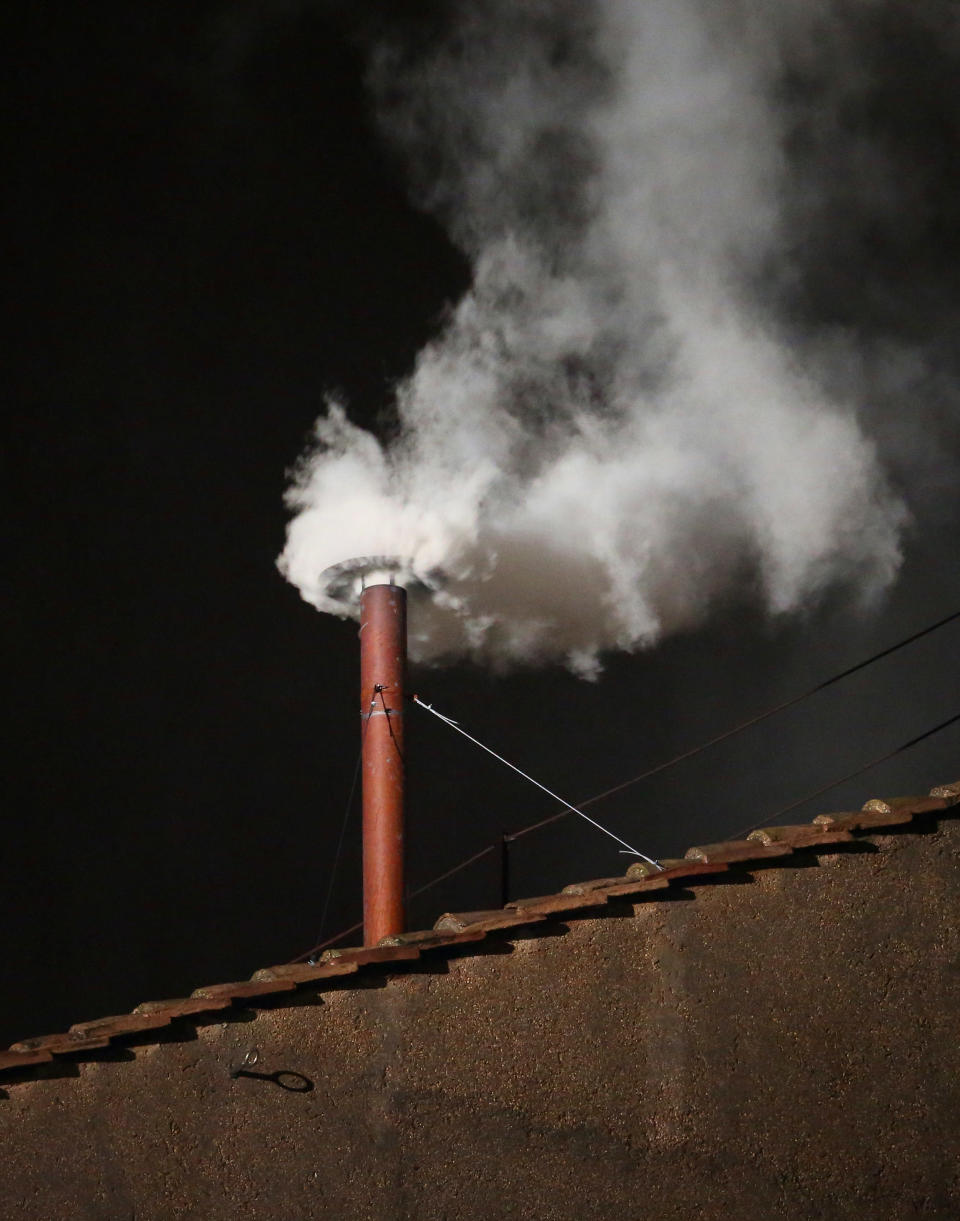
285,1078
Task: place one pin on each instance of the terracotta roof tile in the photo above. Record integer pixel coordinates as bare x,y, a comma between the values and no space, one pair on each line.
244,989
303,972
736,850
618,887
582,888
12,1060
807,835
864,820
643,869
549,905
430,939
489,921
676,870
362,955
113,1027
183,1007
61,1044
905,805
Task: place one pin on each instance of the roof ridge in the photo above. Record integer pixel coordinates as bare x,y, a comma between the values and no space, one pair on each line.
766,847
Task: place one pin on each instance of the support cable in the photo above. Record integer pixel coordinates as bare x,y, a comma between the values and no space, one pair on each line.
662,767
770,819
739,728
570,809
310,955
346,818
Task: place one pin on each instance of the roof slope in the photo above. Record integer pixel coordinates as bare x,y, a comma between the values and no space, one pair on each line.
457,932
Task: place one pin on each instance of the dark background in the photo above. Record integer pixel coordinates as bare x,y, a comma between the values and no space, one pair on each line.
206,235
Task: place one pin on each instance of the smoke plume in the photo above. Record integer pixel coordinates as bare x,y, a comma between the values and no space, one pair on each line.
674,379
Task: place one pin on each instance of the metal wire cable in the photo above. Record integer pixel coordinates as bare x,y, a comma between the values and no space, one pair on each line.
412,894
477,856
739,728
513,767
346,818
669,763
343,831
770,819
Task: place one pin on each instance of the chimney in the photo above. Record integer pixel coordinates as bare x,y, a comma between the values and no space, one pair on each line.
375,586
383,662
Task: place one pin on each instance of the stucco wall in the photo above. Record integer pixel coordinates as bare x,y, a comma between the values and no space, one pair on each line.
778,1048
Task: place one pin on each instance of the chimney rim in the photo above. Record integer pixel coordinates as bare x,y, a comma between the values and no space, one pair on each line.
345,582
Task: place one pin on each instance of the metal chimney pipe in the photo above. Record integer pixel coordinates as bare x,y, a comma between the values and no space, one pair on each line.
383,663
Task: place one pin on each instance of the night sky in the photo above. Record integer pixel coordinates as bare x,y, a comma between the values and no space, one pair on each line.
207,235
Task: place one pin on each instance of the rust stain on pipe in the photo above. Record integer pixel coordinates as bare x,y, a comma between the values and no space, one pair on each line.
383,663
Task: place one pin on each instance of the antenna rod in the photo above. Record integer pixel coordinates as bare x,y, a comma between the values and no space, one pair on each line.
383,663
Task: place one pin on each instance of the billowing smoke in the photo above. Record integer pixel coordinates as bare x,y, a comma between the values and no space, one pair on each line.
647,403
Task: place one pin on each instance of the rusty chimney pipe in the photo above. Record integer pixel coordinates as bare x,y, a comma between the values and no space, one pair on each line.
383,663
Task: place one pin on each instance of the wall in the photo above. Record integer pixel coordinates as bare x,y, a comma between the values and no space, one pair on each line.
782,1047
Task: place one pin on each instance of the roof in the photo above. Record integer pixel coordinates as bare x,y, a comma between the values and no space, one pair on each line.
457,932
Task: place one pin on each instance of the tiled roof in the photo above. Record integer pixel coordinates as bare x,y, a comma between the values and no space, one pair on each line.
768,847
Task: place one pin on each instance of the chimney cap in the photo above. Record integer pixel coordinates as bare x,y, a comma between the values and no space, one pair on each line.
346,581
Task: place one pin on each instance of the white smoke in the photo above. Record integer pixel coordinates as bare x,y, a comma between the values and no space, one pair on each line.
610,434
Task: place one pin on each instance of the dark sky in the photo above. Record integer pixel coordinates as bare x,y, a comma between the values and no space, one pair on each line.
206,235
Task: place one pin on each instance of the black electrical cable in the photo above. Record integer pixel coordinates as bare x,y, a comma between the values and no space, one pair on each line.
729,733
346,819
689,754
477,856
771,819
767,820
336,859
